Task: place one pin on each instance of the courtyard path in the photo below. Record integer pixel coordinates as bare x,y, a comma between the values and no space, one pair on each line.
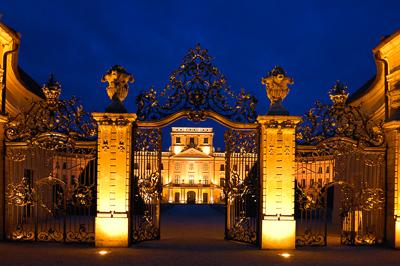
191,235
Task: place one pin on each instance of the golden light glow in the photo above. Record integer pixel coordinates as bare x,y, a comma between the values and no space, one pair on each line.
103,252
285,255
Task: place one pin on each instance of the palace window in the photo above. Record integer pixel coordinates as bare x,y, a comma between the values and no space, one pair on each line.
205,180
191,141
235,167
64,165
222,182
177,166
247,167
303,183
178,139
205,167
205,140
311,182
222,167
191,167
327,169
320,170
162,166
319,182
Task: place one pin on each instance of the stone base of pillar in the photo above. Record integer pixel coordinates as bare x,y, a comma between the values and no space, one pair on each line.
397,234
278,234
112,232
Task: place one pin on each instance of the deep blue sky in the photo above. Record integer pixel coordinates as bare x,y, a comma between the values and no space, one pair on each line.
317,42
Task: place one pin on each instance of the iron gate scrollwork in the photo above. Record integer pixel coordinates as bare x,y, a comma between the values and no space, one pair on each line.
242,186
340,179
146,184
51,171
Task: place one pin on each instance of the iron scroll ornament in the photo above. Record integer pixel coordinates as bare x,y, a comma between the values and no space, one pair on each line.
339,119
52,123
196,86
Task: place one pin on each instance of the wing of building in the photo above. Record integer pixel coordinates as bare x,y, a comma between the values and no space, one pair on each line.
379,97
20,88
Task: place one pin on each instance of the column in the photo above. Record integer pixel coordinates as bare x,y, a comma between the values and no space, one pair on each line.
113,178
3,121
277,162
392,130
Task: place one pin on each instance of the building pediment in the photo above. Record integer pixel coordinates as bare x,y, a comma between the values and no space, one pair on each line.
191,153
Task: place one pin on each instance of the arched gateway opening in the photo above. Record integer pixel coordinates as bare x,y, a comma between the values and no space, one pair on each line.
197,91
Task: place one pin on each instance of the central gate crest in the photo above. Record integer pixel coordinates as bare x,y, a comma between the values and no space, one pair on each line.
196,87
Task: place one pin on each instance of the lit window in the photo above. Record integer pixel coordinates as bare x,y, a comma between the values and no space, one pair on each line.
177,166
205,167
191,166
177,179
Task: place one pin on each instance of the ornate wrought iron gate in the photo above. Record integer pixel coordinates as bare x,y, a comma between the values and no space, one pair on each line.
340,195
340,188
50,194
51,171
242,186
146,184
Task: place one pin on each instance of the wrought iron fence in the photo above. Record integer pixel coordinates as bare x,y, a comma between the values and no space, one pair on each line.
51,194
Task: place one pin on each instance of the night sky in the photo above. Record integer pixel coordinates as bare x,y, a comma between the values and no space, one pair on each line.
316,42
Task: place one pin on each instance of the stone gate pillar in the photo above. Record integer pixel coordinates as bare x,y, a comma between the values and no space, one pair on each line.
392,130
277,162
114,155
113,178
277,157
3,121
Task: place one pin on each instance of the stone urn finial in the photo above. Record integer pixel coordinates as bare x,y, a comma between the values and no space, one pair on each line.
117,89
276,83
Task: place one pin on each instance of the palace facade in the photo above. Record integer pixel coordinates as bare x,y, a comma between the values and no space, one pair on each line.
192,172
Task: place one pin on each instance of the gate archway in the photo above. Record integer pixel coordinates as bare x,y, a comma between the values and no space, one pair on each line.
197,91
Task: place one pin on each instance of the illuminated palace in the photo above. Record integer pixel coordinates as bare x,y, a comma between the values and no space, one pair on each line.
70,176
192,172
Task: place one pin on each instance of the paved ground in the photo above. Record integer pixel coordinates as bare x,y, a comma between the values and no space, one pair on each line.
191,235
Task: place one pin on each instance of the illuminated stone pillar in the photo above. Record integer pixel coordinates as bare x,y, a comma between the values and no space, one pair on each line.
113,178
3,121
277,162
392,130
